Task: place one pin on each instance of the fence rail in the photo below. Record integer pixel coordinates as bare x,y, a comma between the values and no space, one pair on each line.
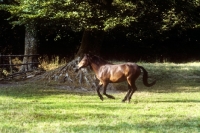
19,55
10,65
18,64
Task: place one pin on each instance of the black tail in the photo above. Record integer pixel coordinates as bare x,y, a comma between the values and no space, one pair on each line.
145,77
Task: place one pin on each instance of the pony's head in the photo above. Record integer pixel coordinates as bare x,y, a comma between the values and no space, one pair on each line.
84,62
89,59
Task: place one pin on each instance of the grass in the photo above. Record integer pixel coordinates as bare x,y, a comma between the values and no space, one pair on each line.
171,106
51,63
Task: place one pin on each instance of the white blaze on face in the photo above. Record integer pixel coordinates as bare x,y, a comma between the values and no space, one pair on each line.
83,63
80,64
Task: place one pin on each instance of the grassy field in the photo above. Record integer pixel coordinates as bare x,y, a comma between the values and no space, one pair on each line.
171,106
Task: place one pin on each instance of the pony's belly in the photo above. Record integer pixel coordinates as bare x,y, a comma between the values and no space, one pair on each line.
117,79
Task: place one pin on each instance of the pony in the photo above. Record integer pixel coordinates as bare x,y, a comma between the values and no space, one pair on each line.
113,73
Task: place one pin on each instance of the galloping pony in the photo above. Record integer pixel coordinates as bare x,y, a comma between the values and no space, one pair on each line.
113,73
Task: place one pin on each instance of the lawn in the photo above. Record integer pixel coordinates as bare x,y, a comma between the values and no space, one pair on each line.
172,105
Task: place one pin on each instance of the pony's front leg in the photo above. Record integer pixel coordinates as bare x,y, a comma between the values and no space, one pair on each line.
99,94
104,92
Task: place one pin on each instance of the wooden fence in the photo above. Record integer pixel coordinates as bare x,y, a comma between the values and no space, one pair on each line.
6,62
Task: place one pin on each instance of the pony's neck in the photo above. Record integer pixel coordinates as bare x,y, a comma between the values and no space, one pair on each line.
96,63
95,67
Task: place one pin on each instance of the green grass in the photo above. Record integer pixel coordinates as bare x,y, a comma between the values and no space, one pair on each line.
171,106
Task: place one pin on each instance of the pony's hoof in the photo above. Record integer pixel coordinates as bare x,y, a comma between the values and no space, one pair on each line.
111,97
101,98
124,100
129,100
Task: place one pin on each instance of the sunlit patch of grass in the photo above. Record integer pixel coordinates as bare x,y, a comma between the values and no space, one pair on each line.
68,112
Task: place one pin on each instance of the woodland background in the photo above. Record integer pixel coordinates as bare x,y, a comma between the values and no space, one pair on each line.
60,100
170,33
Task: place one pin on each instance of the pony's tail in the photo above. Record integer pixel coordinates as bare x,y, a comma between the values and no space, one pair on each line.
145,77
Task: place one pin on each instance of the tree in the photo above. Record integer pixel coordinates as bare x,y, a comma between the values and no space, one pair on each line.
91,42
77,15
30,32
157,24
30,48
145,19
142,19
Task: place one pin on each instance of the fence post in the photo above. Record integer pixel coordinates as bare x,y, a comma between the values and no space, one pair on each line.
10,62
0,67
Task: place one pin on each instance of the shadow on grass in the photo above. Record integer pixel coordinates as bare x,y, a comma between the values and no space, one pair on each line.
115,125
39,90
30,90
173,126
177,101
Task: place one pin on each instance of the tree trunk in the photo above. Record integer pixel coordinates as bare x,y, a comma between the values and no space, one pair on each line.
91,42
31,45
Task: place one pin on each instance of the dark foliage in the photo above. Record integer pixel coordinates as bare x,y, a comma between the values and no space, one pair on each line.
164,31
11,39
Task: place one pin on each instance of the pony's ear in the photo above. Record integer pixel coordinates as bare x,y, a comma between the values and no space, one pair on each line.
90,53
86,55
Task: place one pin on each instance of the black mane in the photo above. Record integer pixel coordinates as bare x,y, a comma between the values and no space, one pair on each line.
98,60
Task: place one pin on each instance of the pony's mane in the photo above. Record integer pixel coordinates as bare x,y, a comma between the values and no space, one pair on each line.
98,60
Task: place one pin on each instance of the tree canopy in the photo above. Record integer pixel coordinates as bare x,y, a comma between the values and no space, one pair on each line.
168,25
105,14
75,14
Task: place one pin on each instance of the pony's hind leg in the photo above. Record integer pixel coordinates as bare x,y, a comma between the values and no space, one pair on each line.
134,88
127,95
104,92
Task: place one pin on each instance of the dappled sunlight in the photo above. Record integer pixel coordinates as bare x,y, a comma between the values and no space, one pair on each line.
191,64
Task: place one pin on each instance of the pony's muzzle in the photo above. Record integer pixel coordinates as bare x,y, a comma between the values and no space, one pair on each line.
76,69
